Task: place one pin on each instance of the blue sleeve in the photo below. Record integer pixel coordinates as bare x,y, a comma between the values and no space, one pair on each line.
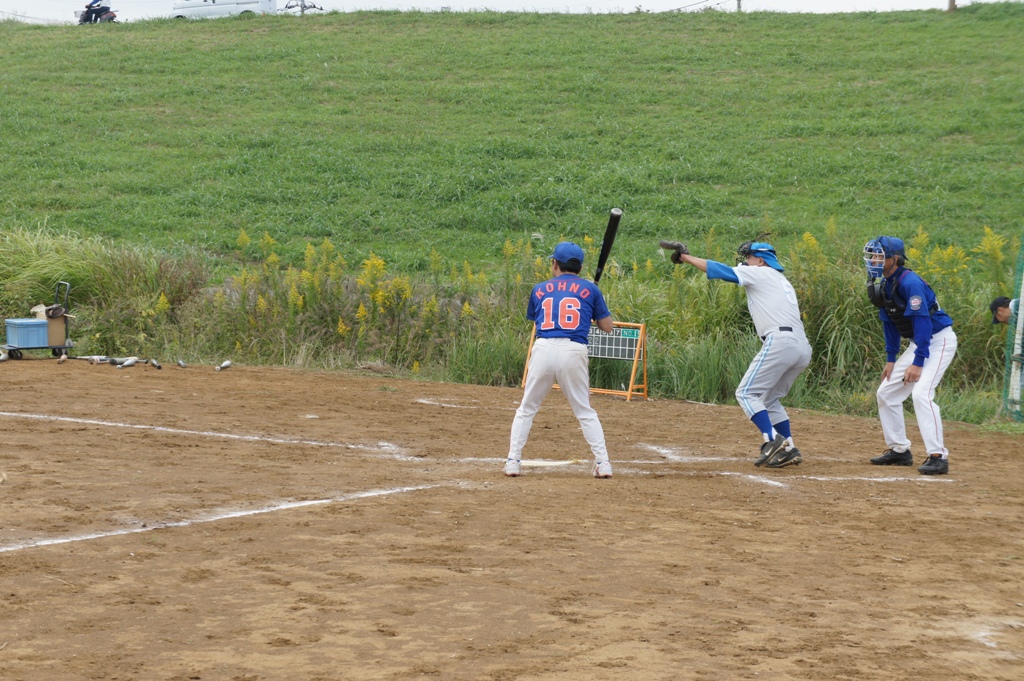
600,307
917,294
531,308
922,339
892,339
919,300
717,270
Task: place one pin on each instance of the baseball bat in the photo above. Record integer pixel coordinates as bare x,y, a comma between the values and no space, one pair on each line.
606,245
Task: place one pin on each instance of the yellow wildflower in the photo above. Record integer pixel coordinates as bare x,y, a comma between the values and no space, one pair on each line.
372,271
309,257
294,298
162,304
267,243
436,263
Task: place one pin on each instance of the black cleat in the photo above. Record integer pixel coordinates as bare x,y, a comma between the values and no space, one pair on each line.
935,465
788,457
893,458
770,450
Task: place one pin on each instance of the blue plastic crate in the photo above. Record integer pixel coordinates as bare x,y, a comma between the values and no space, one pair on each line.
27,333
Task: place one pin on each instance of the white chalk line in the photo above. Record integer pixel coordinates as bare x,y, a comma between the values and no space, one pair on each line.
543,463
448,405
755,478
379,447
435,403
540,463
984,637
776,483
991,630
671,454
282,506
864,478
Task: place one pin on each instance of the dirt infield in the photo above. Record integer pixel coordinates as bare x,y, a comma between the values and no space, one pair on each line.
257,524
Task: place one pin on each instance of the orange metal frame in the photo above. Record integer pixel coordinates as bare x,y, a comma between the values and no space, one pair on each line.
639,358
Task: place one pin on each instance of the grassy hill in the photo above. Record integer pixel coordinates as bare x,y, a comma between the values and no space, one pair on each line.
402,132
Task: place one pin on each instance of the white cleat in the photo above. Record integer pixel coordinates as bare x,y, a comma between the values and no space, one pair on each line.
602,469
512,468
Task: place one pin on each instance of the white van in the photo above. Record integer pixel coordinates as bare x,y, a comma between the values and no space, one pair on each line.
208,9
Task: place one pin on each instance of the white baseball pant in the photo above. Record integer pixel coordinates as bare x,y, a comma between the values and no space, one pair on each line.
893,392
772,373
562,361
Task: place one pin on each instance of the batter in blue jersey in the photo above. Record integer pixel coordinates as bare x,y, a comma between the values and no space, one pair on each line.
564,306
562,309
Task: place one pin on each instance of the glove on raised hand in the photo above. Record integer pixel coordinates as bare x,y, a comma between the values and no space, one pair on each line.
678,249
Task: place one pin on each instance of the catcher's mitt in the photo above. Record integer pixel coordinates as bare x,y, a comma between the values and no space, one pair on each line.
678,249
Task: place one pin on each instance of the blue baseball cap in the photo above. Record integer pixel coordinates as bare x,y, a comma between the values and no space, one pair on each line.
760,249
566,251
891,246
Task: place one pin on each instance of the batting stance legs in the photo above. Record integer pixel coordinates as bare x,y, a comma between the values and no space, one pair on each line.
562,361
769,377
894,391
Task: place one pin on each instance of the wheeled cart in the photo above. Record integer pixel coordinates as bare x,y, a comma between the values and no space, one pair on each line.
49,331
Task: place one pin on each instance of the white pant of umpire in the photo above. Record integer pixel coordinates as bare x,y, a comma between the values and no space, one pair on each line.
562,361
893,392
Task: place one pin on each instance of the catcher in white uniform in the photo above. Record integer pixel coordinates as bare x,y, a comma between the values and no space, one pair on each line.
562,309
785,351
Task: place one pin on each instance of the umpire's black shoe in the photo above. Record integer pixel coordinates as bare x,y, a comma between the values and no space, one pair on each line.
935,465
893,458
787,457
770,450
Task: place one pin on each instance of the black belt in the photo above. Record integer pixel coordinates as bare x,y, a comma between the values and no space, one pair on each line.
781,328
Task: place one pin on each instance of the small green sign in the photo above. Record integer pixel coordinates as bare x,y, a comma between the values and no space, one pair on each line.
630,333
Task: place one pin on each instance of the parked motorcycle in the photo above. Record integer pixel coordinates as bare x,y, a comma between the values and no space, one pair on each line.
100,14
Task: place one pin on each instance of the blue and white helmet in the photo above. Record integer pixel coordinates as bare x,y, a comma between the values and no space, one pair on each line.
887,247
760,249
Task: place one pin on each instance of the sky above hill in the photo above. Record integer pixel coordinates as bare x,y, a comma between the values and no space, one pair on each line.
57,11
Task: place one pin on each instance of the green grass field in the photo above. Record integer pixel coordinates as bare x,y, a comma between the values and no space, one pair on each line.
399,132
134,156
